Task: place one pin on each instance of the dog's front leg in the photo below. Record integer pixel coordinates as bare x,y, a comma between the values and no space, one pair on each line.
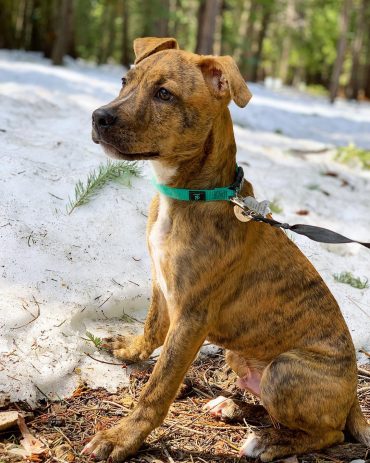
184,338
140,347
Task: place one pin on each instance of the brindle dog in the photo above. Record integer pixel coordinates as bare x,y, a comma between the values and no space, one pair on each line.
243,286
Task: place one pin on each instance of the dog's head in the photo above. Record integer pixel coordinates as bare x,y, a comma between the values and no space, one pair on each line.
170,98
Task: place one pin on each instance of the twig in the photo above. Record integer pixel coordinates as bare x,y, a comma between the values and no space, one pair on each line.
167,453
106,300
103,361
230,444
116,282
35,317
116,405
65,437
55,196
363,372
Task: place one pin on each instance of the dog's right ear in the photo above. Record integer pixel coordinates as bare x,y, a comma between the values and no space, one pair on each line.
146,46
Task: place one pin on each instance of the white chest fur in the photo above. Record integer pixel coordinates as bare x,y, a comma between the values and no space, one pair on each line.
157,238
161,227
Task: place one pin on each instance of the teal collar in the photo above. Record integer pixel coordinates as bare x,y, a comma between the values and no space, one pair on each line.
215,194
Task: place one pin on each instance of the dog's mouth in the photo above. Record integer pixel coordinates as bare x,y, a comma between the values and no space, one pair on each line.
116,153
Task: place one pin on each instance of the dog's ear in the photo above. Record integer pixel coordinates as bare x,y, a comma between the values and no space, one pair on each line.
146,46
224,79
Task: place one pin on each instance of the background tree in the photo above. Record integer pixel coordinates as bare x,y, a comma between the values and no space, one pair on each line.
342,44
320,45
64,31
209,10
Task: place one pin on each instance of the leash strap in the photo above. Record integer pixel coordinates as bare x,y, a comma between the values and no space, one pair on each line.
319,234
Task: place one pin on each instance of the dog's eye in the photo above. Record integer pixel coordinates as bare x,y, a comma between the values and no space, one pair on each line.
163,94
124,81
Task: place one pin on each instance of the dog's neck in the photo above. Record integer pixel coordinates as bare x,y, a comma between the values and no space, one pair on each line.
212,164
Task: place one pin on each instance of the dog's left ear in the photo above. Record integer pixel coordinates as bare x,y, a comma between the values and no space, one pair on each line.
224,79
146,46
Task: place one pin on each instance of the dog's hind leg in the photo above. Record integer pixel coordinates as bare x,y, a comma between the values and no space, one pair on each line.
140,347
269,444
308,393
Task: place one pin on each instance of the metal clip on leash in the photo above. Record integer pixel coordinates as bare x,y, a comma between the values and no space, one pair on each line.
249,208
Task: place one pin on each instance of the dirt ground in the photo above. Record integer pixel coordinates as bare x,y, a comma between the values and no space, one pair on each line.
187,435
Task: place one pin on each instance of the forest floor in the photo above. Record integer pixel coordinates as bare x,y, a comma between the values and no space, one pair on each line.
63,275
188,434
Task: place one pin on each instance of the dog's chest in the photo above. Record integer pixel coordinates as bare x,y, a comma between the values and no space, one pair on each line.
157,239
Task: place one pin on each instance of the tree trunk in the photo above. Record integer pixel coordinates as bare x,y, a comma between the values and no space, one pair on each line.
161,23
290,14
26,31
247,46
361,24
242,31
266,14
7,39
64,29
108,32
341,49
207,16
125,52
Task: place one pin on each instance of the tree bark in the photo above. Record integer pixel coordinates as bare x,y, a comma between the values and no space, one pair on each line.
108,32
161,23
247,46
7,39
242,31
361,23
64,29
125,45
341,49
207,16
256,59
290,14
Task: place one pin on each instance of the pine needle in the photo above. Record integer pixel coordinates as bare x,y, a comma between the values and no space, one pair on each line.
107,172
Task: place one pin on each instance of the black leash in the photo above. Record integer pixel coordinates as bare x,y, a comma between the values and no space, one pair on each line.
248,208
319,234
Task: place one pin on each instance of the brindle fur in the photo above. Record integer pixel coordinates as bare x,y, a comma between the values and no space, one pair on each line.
244,287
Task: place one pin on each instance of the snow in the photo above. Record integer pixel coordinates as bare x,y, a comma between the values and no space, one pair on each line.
84,271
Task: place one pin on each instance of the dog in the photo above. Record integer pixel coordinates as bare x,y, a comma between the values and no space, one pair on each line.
245,287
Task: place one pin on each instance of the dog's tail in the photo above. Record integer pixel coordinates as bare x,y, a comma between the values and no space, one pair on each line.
357,425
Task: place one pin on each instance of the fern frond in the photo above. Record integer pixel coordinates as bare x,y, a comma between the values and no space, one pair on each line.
107,172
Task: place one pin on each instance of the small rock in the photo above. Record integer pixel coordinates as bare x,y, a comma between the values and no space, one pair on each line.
357,461
8,419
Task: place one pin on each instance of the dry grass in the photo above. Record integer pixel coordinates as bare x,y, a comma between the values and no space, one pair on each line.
187,435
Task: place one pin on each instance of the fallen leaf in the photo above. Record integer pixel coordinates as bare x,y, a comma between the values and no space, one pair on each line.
30,444
303,212
8,419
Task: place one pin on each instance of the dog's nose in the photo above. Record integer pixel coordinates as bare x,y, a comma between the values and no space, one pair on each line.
103,118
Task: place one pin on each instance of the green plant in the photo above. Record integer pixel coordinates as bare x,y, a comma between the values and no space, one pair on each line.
349,279
107,172
354,156
275,206
94,339
313,186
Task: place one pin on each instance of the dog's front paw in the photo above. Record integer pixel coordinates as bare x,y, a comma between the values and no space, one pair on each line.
127,348
112,445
